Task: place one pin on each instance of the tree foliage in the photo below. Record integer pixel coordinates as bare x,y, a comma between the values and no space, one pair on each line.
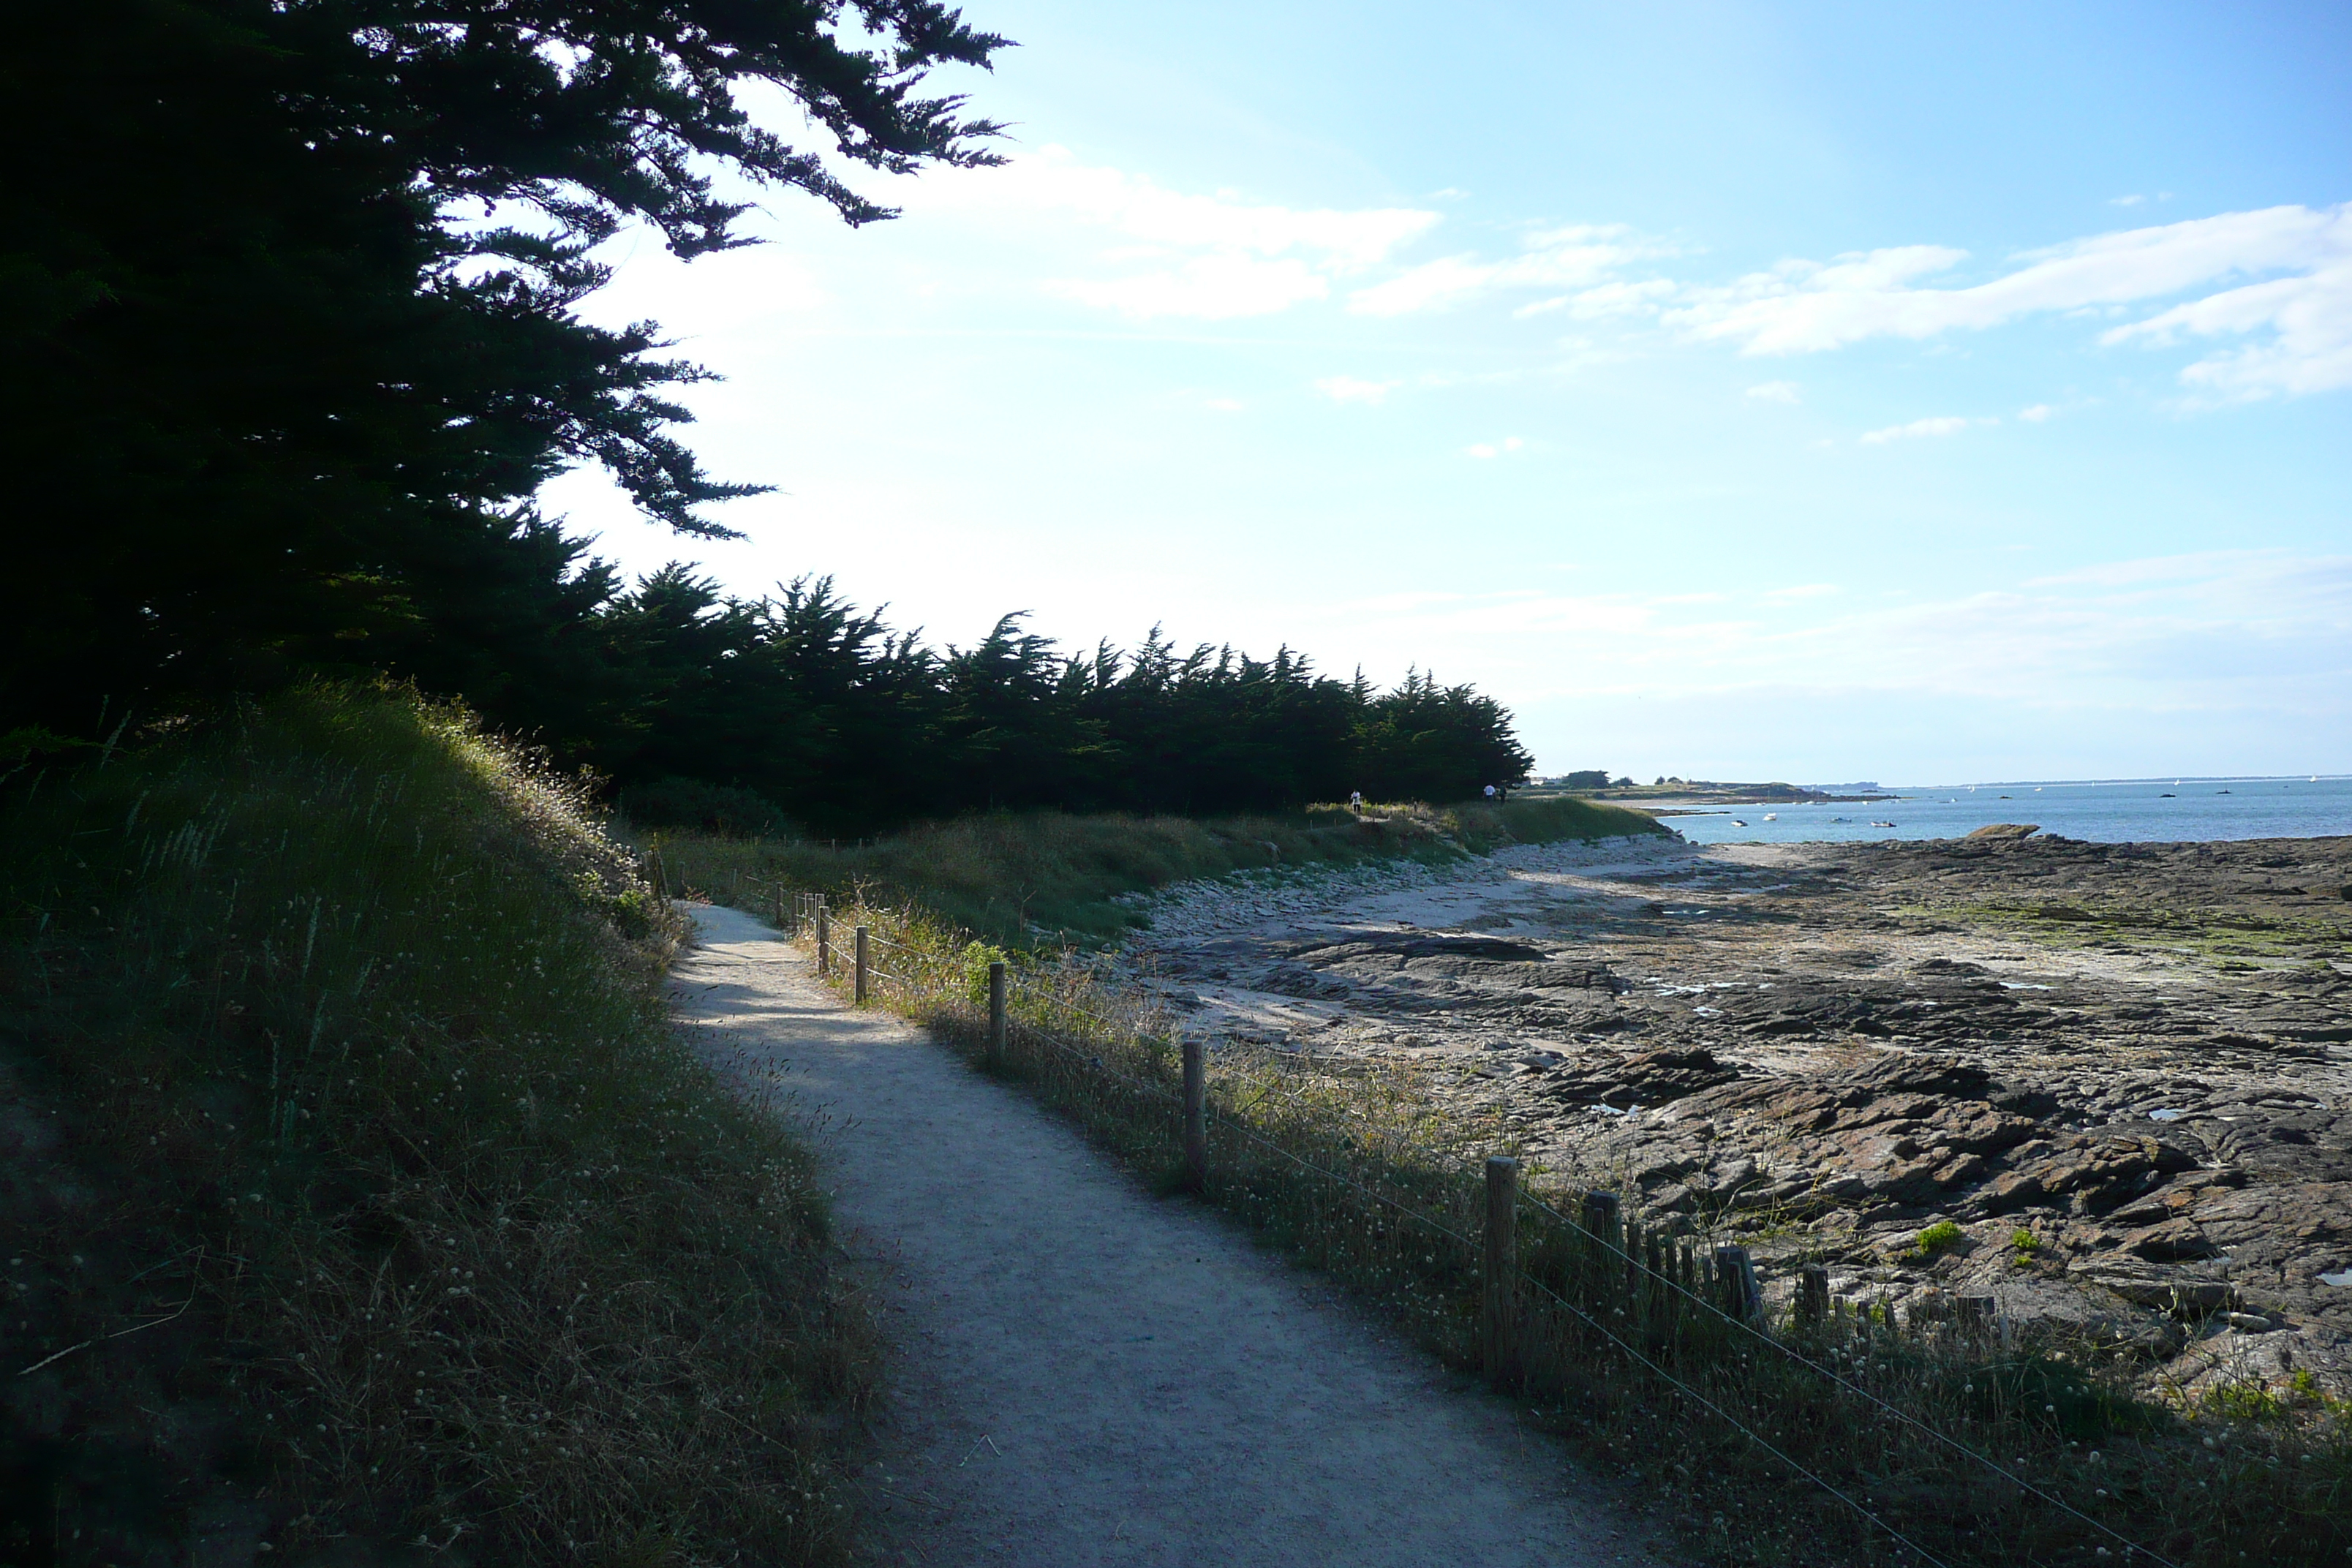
803,703
295,341
293,335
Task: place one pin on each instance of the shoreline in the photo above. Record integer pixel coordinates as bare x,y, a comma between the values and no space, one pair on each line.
2138,1057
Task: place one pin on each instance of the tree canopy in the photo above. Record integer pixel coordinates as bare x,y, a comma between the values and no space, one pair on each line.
294,339
800,709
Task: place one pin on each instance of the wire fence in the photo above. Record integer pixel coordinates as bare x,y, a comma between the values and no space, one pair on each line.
1843,1397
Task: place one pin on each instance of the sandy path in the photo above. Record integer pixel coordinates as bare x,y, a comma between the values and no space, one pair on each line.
1086,1374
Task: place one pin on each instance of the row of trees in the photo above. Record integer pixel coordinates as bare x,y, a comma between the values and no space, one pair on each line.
293,342
799,707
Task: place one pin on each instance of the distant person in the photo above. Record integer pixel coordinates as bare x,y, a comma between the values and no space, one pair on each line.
1356,801
1491,794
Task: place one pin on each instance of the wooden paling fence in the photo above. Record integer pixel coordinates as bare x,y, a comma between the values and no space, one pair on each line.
1551,1284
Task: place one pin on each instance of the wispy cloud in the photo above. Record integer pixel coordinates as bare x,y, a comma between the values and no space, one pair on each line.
1575,257
2269,292
1945,425
1775,391
2036,413
1349,389
2304,301
1509,444
1203,257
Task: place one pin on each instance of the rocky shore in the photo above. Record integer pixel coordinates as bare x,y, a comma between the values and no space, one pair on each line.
2109,1084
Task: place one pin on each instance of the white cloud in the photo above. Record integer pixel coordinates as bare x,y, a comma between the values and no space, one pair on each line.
1775,391
1803,307
1946,425
1208,258
1803,590
2131,200
1575,259
2037,412
1496,448
2311,319
1053,180
1643,298
1348,389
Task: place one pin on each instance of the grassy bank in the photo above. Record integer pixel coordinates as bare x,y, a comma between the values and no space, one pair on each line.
1054,878
1740,1438
357,1189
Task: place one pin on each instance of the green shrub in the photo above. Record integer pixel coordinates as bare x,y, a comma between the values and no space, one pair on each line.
1939,1235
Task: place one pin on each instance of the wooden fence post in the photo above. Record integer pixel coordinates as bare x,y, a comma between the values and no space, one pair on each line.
1500,1336
1812,1295
858,989
823,941
1599,1218
996,1012
1196,1115
1735,1277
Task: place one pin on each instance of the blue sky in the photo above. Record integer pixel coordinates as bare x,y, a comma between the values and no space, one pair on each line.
1821,391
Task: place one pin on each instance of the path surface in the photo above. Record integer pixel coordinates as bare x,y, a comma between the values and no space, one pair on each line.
1086,1374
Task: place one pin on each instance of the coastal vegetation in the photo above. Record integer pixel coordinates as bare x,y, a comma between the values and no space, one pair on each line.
1856,1438
357,1188
1049,879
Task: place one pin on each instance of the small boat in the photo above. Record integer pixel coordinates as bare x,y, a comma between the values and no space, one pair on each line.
2220,792
1736,823
1882,825
2167,795
1771,816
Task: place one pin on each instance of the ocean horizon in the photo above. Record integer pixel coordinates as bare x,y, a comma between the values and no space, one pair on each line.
2184,808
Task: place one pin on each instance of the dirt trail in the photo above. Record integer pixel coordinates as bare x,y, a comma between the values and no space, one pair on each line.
1086,1374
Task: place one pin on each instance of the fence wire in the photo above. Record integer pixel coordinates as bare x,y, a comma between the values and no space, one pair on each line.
1791,1353
1230,1122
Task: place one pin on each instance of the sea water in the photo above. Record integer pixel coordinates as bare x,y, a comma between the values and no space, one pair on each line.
2112,811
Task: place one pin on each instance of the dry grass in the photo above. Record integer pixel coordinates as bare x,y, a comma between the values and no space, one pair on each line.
350,1021
1347,1166
1054,878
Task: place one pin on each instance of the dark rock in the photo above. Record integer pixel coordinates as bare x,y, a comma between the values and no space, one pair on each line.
2169,1241
1651,1077
2005,830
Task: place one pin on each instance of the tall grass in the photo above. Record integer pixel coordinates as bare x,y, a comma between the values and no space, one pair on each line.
1728,1430
1054,877
351,1024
